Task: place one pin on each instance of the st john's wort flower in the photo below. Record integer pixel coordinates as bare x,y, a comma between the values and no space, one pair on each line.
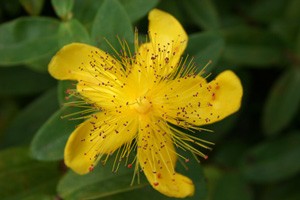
137,101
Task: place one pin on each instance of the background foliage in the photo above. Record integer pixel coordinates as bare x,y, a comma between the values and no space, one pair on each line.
257,150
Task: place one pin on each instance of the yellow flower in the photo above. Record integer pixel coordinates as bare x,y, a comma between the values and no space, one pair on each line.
137,101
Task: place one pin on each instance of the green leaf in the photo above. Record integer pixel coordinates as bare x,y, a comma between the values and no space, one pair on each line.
29,120
273,161
63,8
136,9
33,7
288,190
297,47
107,26
203,13
282,102
267,10
73,31
27,39
205,47
85,11
49,142
232,186
22,178
22,81
251,47
102,183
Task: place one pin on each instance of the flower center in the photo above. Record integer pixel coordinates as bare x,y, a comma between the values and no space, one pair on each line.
142,105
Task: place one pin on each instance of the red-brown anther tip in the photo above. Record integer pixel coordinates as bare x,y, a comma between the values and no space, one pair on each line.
91,168
155,183
129,166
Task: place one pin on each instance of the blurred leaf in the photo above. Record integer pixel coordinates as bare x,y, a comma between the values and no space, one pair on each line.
49,142
63,8
205,47
212,176
8,109
73,31
282,103
273,161
137,9
22,177
27,39
251,47
267,10
297,47
107,26
22,81
232,186
28,121
41,64
33,7
203,13
85,11
288,190
229,153
102,183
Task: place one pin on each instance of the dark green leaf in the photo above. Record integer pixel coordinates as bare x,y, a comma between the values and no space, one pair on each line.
297,47
22,81
251,47
63,8
33,7
273,161
232,186
267,10
28,121
203,13
212,175
107,26
205,47
8,109
50,140
282,103
102,183
21,177
229,153
287,190
72,31
85,11
137,9
27,39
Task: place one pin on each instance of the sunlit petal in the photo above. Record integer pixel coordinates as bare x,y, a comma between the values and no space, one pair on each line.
99,135
168,40
79,61
190,100
157,158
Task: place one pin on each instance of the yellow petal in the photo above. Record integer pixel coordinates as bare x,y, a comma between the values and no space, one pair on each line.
157,157
196,102
164,29
168,40
78,61
101,134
